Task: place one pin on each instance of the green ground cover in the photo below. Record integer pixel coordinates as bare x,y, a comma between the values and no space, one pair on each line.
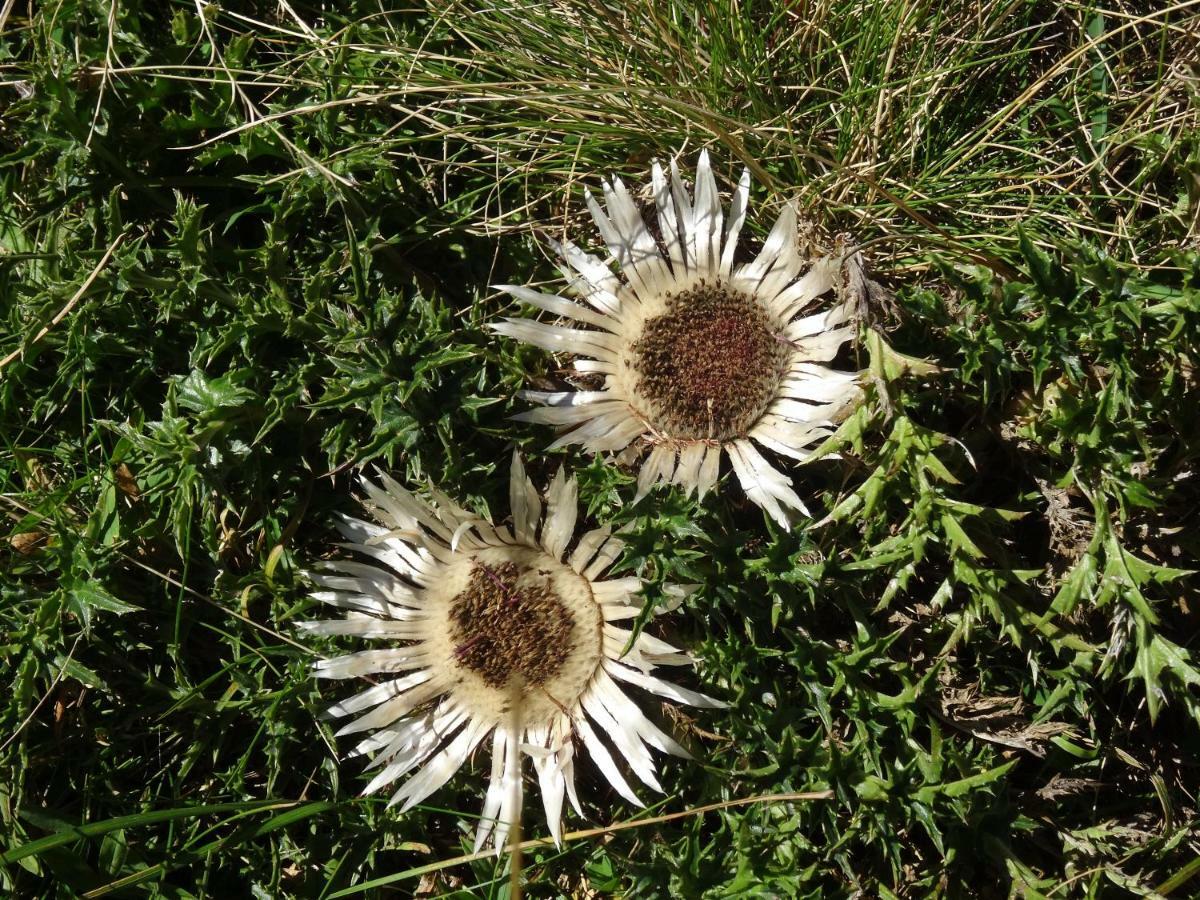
246,249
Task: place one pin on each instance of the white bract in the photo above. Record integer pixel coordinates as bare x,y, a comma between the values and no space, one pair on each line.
493,631
699,356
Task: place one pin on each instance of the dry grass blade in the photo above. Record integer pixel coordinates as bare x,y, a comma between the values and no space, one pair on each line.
585,834
70,304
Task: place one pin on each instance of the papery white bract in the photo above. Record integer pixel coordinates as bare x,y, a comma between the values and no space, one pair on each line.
699,356
493,631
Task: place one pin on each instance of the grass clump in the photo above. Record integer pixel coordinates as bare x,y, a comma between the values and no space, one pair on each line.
245,250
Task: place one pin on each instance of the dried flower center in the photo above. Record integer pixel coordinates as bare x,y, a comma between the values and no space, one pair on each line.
509,622
710,364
